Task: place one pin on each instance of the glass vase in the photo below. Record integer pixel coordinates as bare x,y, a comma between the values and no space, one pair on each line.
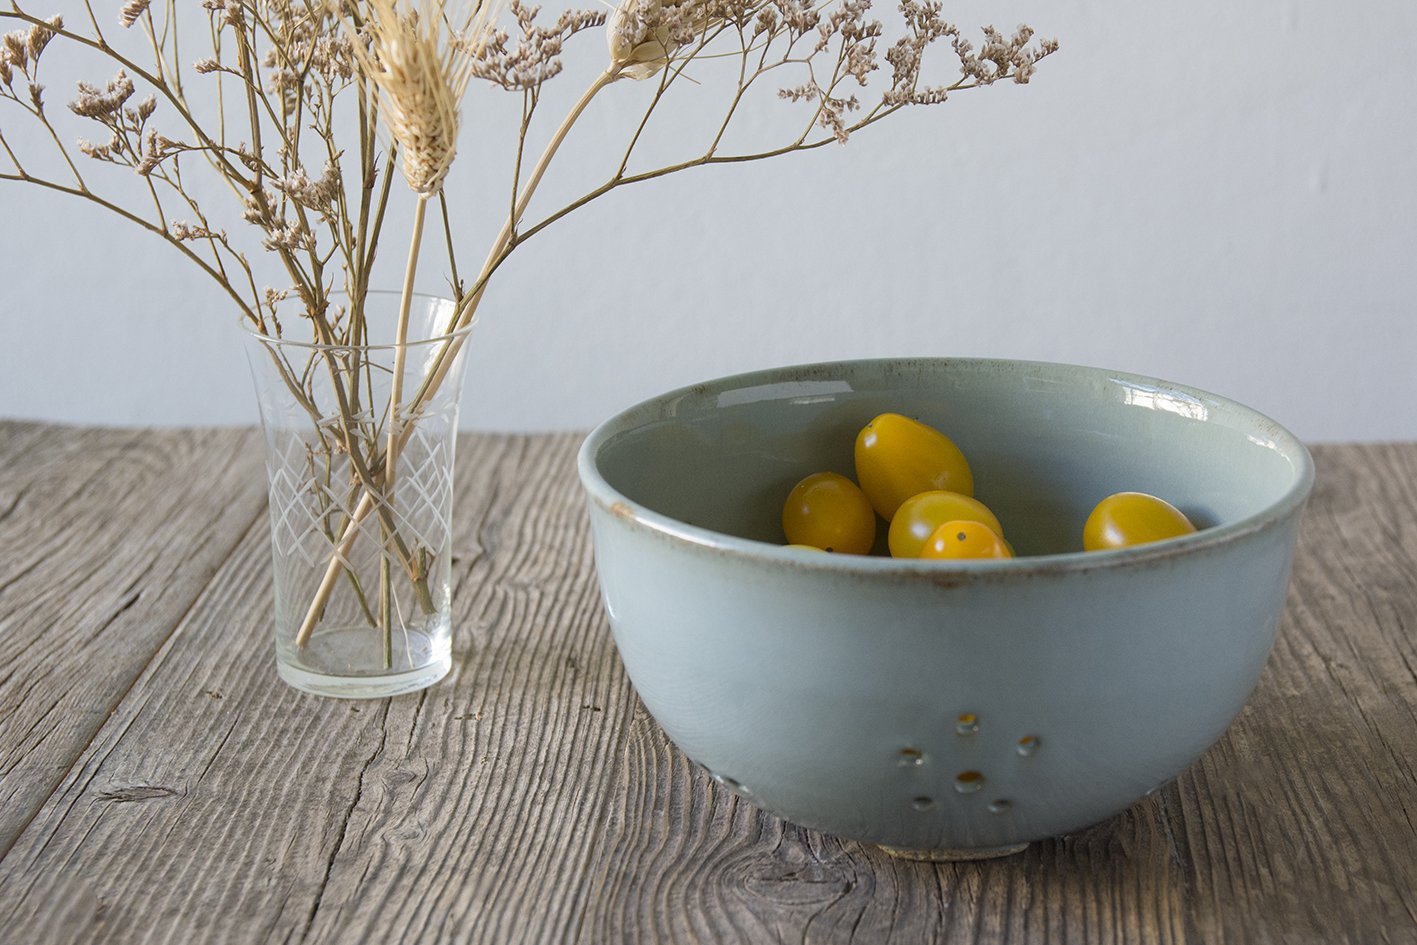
361,542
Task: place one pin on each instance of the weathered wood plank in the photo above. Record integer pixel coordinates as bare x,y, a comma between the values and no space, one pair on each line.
218,805
1301,826
530,799
106,538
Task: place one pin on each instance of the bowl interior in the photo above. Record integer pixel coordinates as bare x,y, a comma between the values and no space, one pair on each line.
1046,442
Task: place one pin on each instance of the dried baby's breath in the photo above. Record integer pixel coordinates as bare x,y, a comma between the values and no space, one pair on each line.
132,10
535,58
39,37
14,49
229,12
319,194
288,236
93,102
21,49
183,230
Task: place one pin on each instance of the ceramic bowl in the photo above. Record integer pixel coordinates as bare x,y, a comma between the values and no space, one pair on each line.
944,709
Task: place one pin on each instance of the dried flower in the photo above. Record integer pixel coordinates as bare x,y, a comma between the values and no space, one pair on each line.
229,10
857,35
15,52
831,111
132,10
319,195
644,34
536,57
156,149
189,231
1002,56
421,66
101,152
333,58
288,236
906,56
39,36
20,49
255,210
93,103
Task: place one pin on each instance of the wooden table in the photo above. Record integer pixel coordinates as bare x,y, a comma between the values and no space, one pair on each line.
158,783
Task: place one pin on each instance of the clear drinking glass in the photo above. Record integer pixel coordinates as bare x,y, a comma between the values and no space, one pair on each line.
362,559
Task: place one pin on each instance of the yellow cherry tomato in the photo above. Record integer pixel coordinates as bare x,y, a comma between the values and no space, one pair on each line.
828,511
962,539
1132,518
897,457
804,547
919,516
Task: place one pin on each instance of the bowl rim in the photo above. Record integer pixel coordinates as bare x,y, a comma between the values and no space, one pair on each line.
627,510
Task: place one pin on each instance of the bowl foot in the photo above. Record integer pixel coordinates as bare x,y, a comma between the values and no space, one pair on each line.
954,856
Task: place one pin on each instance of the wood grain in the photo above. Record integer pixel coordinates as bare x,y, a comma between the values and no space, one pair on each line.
529,798
106,538
1301,825
230,808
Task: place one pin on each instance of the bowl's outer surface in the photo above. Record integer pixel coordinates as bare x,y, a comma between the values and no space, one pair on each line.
829,689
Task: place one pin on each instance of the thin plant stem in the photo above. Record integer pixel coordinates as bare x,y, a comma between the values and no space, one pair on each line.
386,603
401,340
391,452
448,241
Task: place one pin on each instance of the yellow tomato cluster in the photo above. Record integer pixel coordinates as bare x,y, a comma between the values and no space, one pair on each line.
916,479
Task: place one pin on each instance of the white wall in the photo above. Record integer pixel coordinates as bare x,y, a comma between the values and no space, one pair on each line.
1217,193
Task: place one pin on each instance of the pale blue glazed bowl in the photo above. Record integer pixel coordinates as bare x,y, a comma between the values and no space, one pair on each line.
944,709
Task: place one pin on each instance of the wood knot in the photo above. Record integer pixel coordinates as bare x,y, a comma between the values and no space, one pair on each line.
398,777
138,792
808,883
796,874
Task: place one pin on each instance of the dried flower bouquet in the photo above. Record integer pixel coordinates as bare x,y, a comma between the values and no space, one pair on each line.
308,111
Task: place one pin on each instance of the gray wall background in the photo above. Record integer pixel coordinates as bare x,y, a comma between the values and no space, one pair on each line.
1216,193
